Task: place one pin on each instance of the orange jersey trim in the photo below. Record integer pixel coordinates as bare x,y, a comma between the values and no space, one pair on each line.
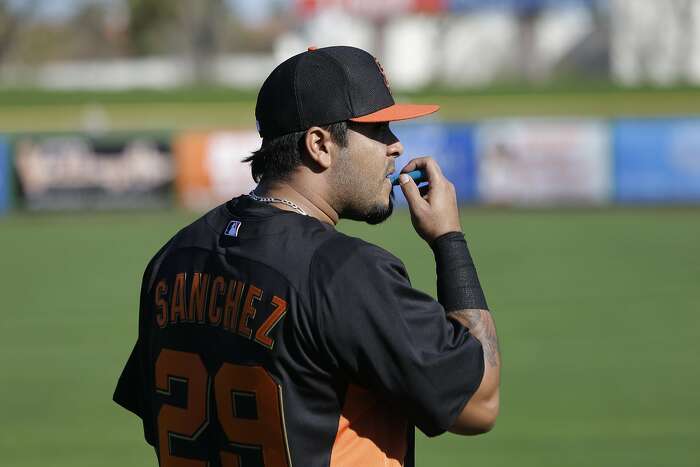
370,433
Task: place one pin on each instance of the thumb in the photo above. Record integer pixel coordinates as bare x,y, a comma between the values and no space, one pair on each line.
410,191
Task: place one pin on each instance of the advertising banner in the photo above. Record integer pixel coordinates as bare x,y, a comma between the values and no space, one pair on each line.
460,6
452,145
116,171
543,162
209,167
5,176
371,8
657,160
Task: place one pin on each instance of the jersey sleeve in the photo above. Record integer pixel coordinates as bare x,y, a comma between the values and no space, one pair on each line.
133,382
381,333
128,392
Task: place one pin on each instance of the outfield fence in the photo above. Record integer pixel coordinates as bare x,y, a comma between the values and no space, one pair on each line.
510,162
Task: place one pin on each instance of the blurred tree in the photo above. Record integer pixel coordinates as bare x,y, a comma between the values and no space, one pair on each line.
11,21
528,14
193,28
590,58
147,21
687,24
203,23
93,34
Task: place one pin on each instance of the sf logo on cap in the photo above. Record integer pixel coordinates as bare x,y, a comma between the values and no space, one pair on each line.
381,70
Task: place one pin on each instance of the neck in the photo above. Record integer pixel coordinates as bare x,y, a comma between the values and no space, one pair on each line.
308,199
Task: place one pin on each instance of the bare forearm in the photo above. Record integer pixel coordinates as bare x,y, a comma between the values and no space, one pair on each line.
481,325
479,415
435,216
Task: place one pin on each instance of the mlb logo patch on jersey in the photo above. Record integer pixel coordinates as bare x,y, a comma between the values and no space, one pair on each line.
232,228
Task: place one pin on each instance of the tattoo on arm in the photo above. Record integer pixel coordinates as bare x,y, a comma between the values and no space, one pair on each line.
481,325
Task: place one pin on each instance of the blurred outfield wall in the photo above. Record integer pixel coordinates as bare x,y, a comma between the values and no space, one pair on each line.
5,176
452,43
505,162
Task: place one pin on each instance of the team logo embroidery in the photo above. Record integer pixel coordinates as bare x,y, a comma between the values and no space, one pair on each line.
381,70
232,228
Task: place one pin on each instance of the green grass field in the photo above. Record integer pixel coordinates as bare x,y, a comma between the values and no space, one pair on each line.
598,313
31,110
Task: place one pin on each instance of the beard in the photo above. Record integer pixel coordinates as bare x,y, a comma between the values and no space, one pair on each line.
353,186
378,214
374,215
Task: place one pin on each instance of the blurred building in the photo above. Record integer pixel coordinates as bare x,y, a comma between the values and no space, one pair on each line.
116,44
654,42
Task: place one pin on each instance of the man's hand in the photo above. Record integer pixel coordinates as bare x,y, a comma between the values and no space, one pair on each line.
433,208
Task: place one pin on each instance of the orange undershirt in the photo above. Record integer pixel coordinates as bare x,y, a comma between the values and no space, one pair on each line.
371,432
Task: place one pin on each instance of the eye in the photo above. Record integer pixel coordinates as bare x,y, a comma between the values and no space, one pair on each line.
383,130
379,131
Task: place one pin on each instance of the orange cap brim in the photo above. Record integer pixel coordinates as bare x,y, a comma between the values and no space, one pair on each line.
398,112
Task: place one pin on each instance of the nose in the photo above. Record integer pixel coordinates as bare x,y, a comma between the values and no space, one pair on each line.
394,148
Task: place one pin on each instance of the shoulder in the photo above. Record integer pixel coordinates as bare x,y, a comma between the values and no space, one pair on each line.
342,255
203,232
149,273
189,235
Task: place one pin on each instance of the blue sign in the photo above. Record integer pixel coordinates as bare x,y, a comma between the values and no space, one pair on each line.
5,175
657,160
452,145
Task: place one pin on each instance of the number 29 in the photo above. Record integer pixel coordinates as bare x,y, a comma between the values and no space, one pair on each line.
265,432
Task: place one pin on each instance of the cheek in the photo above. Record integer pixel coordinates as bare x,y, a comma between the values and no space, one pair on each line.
375,163
365,166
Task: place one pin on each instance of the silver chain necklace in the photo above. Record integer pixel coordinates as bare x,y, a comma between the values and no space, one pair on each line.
277,200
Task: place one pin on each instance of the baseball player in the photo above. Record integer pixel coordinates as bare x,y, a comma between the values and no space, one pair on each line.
267,338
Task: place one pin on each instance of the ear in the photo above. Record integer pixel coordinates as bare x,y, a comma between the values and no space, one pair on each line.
319,144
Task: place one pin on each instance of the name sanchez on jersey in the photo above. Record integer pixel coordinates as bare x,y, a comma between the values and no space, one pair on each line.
215,301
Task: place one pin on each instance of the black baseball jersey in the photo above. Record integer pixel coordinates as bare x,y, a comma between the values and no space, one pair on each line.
267,338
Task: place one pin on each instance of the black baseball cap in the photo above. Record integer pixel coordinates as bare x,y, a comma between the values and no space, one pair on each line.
328,85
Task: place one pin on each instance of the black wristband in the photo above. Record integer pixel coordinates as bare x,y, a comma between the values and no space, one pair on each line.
458,285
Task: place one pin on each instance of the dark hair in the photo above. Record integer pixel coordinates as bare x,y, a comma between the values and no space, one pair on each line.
277,157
